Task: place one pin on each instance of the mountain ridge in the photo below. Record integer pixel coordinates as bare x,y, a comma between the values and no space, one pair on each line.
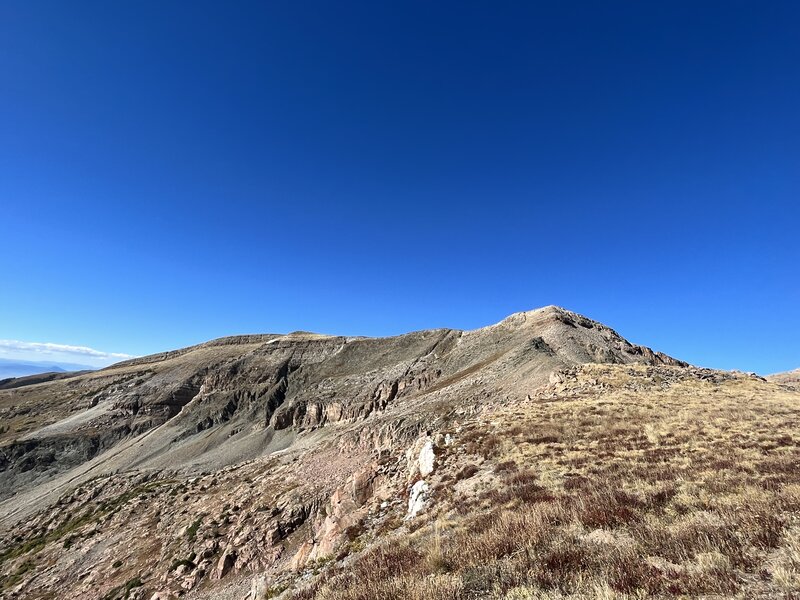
13,368
259,460
225,385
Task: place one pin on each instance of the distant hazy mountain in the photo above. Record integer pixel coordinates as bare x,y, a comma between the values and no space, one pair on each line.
19,368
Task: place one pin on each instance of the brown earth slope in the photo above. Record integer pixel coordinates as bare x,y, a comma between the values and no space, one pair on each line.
787,378
541,455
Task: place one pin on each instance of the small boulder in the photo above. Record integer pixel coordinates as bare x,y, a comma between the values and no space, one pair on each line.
225,563
417,498
421,458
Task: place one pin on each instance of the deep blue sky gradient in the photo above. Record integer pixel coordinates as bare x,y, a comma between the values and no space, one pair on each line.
172,172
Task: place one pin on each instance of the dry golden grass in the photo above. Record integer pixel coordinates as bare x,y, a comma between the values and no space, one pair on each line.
630,482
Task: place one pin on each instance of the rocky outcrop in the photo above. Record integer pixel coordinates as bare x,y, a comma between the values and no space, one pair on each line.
418,498
344,512
225,563
421,459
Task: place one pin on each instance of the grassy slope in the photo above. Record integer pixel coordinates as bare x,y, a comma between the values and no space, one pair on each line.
624,482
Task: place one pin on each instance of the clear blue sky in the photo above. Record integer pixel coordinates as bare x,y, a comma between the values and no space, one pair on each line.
172,172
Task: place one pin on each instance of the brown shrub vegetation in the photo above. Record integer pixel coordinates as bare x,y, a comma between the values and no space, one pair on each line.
679,490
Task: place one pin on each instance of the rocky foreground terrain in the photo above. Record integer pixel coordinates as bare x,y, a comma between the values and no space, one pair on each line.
541,457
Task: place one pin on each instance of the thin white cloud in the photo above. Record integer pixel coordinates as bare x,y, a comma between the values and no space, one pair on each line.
50,348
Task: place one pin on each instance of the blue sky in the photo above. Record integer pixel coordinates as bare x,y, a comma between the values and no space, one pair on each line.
172,172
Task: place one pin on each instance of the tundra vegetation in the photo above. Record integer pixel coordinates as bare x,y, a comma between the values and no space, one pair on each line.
631,482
